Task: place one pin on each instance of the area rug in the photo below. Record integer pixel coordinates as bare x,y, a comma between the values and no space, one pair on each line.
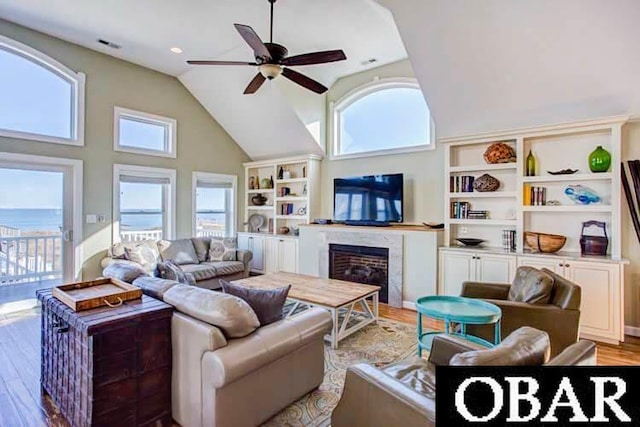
378,345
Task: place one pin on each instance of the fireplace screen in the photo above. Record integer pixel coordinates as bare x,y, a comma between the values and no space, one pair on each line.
360,264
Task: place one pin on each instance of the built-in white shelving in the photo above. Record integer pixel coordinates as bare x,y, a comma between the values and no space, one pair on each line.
568,178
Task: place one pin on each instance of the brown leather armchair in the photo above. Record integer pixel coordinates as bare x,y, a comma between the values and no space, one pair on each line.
403,394
560,317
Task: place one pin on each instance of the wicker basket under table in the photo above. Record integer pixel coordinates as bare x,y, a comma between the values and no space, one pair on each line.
108,366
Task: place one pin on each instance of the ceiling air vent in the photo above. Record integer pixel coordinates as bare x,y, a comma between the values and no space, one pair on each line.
109,44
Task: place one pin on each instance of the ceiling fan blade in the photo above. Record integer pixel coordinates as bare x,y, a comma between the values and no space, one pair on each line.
315,58
253,40
304,81
255,84
220,63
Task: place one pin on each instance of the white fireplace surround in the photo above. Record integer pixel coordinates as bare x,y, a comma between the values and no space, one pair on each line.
391,241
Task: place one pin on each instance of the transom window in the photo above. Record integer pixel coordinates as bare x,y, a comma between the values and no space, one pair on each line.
41,99
214,203
144,133
386,116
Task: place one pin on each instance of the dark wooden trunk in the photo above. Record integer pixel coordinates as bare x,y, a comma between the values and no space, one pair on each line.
108,366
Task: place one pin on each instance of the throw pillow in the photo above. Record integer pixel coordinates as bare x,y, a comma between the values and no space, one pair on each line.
127,272
531,285
223,249
267,303
233,316
180,251
141,255
170,270
202,246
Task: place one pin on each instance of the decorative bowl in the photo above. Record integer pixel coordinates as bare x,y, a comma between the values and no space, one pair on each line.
563,172
543,242
500,152
486,183
470,242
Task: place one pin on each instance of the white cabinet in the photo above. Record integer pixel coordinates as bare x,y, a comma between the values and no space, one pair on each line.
601,285
555,265
600,313
255,244
460,266
282,255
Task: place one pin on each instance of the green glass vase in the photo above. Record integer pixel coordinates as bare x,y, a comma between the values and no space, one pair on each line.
599,160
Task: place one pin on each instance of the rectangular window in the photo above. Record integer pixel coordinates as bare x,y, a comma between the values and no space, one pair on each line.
214,202
143,133
144,203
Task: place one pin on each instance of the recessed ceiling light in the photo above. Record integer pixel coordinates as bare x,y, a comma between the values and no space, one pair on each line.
109,44
176,50
368,61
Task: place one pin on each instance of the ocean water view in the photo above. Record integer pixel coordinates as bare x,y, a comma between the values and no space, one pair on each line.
29,220
32,219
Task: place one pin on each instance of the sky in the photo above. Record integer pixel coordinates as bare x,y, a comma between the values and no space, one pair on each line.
399,115
22,189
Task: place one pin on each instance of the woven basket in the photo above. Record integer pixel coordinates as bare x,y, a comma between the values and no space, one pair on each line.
542,242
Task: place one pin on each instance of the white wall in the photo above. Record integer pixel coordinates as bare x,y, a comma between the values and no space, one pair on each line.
423,171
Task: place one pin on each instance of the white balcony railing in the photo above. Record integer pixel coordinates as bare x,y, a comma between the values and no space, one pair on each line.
210,233
30,258
136,236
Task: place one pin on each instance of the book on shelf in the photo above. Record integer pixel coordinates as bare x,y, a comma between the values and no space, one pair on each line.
286,209
462,210
461,184
534,196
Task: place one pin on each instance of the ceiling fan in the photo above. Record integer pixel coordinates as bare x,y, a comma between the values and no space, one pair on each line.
272,60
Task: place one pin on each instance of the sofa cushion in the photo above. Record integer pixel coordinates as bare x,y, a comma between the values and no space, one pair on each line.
531,286
223,249
142,255
525,346
266,303
225,268
229,313
181,251
154,286
127,272
117,250
170,270
201,245
203,271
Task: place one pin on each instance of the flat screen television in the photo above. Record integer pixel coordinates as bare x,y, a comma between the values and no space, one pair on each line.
368,198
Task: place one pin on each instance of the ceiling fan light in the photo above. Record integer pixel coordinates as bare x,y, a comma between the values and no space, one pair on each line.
270,71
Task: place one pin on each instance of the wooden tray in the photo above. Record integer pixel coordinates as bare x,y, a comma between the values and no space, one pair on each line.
96,293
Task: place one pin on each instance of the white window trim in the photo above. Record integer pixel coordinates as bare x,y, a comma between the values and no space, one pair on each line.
360,92
77,81
145,172
233,203
12,160
171,133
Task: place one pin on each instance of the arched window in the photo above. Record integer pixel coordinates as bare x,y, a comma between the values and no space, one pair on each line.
40,99
382,117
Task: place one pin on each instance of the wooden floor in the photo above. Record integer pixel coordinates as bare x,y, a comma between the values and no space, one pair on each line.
21,403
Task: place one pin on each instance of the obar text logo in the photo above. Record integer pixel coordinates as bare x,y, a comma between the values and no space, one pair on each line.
537,395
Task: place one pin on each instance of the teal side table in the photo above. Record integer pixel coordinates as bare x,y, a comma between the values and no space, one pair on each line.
460,310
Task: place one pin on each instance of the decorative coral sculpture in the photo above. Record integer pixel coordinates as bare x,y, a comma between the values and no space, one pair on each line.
581,195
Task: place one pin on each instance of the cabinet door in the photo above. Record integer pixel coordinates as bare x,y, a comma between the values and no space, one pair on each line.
455,268
288,255
256,245
555,265
600,311
495,268
272,255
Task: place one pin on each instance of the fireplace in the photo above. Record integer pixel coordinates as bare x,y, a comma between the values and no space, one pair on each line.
361,264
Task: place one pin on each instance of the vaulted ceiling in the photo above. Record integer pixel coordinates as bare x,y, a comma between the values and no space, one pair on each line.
264,125
500,64
482,65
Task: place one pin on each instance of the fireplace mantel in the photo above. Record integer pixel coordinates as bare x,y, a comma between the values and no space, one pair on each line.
413,255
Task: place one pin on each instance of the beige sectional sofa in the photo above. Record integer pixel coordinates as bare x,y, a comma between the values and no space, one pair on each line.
193,256
224,381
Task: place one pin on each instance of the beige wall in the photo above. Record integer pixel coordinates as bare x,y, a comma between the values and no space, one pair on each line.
424,186
202,143
423,171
